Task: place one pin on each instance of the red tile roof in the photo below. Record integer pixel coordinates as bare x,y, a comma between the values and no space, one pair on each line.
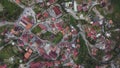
79,8
36,65
53,54
43,27
75,52
51,1
28,54
4,66
45,14
17,1
56,10
59,26
27,22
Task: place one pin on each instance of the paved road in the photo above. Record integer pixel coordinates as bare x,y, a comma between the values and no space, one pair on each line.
93,5
28,63
71,12
6,23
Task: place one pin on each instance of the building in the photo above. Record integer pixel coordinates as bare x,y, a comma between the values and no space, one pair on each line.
36,64
55,11
3,66
75,6
53,54
51,1
42,26
45,14
17,1
59,26
28,53
26,22
79,7
20,42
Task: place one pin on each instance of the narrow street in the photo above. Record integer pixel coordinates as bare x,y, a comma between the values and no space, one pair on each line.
6,23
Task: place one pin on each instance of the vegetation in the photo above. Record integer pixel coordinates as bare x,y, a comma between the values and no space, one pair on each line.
100,54
84,57
52,37
58,38
11,11
92,41
6,27
27,2
82,51
8,51
116,11
46,35
36,30
83,22
2,30
73,22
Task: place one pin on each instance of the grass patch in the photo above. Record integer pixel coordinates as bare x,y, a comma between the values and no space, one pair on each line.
58,38
36,30
52,37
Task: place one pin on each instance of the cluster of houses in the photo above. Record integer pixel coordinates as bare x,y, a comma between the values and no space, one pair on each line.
61,54
50,20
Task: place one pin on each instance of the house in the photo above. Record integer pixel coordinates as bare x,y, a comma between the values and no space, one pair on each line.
26,22
55,11
53,54
64,57
28,53
49,64
46,56
3,66
17,1
16,30
43,27
68,4
36,64
79,7
53,25
39,15
51,1
45,14
56,63
53,19
85,7
25,38
110,22
20,42
94,51
75,53
59,26
41,51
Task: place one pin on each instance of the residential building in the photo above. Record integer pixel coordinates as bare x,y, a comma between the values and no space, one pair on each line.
55,11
